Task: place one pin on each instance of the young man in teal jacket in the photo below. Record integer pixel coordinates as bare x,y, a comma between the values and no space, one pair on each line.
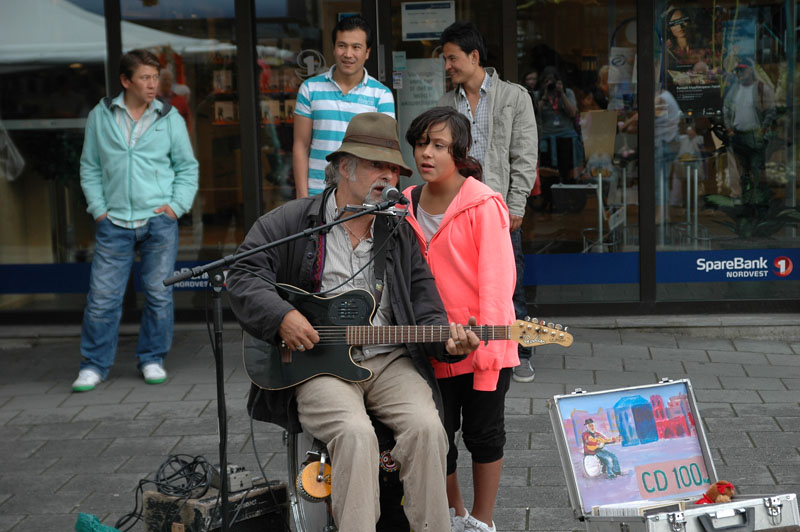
139,175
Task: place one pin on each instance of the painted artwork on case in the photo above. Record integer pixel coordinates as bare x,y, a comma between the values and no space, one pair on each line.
633,444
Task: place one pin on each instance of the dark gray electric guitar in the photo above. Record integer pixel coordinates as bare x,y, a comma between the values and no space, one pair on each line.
343,321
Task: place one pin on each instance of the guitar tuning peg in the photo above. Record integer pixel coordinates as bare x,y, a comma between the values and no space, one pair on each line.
565,329
558,327
527,318
550,324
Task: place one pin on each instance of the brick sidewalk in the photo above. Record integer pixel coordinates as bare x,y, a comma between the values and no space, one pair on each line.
63,453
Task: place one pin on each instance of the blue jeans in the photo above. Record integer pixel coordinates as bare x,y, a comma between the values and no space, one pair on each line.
610,462
157,243
520,307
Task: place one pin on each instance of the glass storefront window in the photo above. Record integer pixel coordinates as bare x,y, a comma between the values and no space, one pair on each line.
725,174
198,55
52,73
581,231
293,44
724,186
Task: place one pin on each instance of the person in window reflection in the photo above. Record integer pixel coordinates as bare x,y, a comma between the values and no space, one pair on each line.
139,175
748,113
327,102
665,133
557,111
504,136
168,95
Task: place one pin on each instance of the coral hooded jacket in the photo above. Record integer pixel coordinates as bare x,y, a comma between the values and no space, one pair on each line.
473,265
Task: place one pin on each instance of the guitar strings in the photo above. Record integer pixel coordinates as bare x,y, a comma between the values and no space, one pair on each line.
339,334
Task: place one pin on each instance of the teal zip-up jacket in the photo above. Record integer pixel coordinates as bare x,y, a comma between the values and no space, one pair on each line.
129,183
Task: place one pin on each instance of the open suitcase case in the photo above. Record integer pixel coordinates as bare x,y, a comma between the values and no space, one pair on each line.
636,460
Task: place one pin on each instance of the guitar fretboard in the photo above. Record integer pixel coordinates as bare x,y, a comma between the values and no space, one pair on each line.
412,334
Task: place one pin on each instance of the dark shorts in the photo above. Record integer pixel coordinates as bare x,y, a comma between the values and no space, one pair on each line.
479,415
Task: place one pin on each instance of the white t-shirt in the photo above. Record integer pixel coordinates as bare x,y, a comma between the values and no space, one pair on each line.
429,223
745,118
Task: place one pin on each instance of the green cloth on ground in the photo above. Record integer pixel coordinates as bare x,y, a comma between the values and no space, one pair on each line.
90,523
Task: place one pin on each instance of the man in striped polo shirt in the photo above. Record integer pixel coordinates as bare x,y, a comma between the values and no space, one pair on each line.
326,103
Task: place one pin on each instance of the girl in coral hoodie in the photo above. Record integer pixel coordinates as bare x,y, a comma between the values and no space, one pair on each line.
463,230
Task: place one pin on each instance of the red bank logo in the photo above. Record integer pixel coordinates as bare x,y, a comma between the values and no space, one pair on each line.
784,266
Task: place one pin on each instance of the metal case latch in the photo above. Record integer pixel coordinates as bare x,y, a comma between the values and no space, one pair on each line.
677,521
774,509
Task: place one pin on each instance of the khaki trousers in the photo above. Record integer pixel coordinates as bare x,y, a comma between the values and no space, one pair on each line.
335,412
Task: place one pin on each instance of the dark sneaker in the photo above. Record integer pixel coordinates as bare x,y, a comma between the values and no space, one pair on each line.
524,372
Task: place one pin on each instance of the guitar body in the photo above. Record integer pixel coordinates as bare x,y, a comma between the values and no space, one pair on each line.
346,319
269,367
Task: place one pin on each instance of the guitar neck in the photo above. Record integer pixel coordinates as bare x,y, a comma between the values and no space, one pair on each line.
414,334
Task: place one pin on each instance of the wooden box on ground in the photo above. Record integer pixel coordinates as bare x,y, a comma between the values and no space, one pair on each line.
264,507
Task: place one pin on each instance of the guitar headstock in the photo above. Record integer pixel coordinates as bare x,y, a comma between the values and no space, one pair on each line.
533,332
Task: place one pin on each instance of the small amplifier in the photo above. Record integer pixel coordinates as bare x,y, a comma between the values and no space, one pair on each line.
264,507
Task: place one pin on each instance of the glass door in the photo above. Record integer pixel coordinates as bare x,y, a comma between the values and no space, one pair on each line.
581,230
294,43
52,73
726,162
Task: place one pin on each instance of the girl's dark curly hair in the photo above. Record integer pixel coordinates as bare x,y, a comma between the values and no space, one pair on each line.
459,130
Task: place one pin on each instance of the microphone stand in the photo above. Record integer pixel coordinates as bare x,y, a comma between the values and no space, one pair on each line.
217,281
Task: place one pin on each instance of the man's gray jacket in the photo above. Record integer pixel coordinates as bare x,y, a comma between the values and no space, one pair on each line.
513,146
260,309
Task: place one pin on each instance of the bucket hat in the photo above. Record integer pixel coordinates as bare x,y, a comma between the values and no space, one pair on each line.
373,137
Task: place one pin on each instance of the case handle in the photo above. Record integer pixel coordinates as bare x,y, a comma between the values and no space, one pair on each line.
747,526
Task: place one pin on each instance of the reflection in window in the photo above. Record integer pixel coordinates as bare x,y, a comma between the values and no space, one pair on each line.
724,176
583,88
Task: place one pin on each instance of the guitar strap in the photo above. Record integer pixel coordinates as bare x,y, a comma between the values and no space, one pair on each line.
319,238
415,195
379,264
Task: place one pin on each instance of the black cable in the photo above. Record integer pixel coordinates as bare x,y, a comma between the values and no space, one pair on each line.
177,477
260,466
252,432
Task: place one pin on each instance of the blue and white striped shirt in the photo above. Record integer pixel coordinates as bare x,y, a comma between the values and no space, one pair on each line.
321,99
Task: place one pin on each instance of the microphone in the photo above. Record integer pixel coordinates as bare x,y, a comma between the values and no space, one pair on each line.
394,195
390,211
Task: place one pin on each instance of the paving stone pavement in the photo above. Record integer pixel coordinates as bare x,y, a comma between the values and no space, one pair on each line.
62,453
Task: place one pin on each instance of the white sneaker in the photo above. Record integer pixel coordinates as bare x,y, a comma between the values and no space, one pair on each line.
473,525
86,381
154,373
458,522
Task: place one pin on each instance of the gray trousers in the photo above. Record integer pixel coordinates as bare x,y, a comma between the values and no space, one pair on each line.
335,412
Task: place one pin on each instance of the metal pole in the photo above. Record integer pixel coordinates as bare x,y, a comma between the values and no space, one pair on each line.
662,236
688,193
695,198
624,207
600,210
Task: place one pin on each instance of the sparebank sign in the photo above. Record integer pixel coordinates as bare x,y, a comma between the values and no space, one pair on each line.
727,265
736,268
